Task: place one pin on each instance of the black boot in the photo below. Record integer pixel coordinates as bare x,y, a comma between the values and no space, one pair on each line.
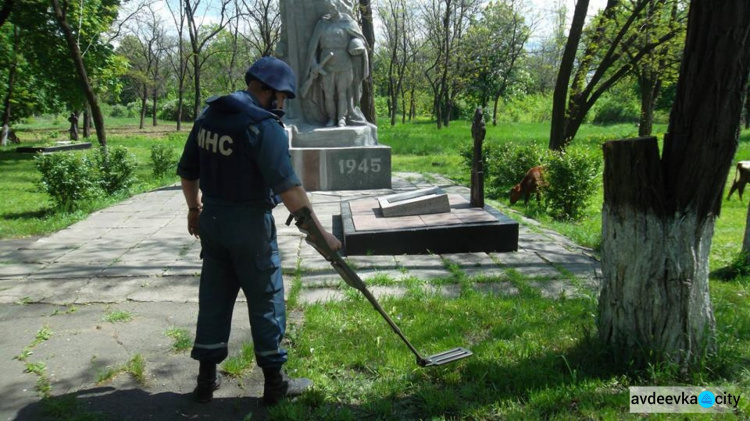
208,381
278,385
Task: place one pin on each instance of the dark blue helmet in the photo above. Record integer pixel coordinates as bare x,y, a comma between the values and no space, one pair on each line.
274,73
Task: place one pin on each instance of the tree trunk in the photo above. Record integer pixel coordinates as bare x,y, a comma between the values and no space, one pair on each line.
75,54
494,110
144,95
86,121
9,93
557,129
658,216
747,110
367,102
153,107
649,89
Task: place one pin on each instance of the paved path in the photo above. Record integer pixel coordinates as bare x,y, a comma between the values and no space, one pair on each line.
136,257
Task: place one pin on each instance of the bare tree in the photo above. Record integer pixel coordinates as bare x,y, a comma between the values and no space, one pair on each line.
446,23
367,102
263,24
401,48
179,60
9,93
659,214
199,38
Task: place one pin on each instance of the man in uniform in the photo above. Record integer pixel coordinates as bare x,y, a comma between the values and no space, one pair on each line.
234,168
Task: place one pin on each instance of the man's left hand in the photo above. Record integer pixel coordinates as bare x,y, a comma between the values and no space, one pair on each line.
193,223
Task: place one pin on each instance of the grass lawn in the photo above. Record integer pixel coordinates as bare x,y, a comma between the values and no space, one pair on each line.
26,211
534,357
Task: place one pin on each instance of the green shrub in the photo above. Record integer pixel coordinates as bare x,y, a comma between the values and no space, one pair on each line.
67,177
168,110
115,169
571,181
119,110
611,110
505,164
509,163
164,159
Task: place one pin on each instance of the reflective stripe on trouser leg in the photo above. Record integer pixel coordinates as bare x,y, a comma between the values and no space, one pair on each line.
268,324
218,292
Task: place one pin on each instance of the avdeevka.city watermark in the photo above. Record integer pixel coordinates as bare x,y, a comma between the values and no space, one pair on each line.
707,400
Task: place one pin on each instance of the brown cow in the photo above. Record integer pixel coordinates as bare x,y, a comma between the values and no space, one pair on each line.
741,177
533,182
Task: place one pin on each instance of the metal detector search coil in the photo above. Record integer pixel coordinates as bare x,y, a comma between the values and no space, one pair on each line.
314,237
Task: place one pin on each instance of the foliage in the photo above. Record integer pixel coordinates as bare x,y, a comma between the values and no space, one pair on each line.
164,158
67,177
495,45
115,169
571,177
46,49
119,110
168,110
505,164
618,108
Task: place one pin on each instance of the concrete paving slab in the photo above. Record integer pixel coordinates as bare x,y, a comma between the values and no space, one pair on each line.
429,274
527,264
49,291
372,262
555,289
68,270
18,270
420,261
497,288
140,269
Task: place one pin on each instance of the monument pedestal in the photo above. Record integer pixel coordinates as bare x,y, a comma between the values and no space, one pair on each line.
464,229
339,158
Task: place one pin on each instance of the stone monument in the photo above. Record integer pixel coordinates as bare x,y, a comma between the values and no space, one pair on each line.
332,145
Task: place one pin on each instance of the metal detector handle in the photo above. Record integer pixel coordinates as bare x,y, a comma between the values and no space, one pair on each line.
306,224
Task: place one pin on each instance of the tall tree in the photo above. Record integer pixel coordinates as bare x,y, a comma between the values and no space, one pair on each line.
399,51
604,62
661,65
446,24
659,214
367,102
178,59
12,66
263,19
60,10
560,94
496,47
544,56
199,38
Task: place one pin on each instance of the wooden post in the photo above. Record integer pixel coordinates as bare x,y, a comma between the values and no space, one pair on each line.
478,131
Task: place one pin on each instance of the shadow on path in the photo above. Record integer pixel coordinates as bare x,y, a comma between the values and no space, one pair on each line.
108,403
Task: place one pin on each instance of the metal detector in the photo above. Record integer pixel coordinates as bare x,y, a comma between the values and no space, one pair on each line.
306,224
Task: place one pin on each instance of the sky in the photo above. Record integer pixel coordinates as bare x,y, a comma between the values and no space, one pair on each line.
545,9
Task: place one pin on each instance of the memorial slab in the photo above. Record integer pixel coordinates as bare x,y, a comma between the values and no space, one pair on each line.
418,202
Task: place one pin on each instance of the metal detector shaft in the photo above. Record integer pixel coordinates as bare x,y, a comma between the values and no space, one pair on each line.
307,225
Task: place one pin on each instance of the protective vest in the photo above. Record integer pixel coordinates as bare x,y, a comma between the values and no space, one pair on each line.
227,134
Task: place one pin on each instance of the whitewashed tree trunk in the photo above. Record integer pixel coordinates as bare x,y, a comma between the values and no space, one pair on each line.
659,213
654,296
